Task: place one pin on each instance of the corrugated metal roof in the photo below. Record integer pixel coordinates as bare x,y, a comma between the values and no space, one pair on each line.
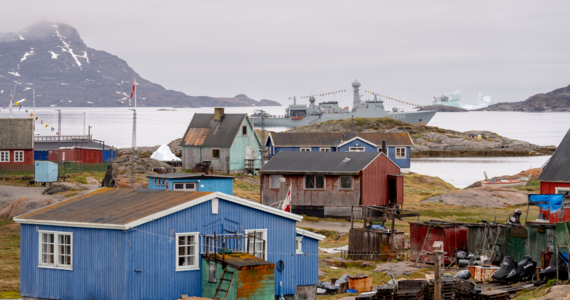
113,206
558,166
324,139
293,162
16,133
188,176
52,145
205,132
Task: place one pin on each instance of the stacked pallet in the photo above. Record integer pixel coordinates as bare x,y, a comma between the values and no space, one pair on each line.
411,289
466,290
385,292
447,288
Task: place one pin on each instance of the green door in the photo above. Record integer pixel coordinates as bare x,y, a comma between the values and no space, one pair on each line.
516,242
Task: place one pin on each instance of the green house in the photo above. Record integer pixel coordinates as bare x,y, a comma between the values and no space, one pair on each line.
225,143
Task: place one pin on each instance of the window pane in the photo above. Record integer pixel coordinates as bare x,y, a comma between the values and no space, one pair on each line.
216,153
181,240
309,182
320,182
190,260
178,186
181,261
275,181
345,182
190,186
190,250
181,251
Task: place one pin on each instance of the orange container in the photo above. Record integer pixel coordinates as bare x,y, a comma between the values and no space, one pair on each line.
360,283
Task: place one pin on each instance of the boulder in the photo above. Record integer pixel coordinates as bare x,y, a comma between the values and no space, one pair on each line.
119,171
405,268
327,262
26,204
59,187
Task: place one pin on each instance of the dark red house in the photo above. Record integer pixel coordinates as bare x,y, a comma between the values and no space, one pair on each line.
16,144
330,183
77,154
555,179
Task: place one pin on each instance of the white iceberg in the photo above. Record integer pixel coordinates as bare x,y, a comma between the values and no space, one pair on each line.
163,153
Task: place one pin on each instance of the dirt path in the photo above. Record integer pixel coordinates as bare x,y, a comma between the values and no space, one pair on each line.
341,227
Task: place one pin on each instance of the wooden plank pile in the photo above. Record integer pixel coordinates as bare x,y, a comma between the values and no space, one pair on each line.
411,289
385,292
466,290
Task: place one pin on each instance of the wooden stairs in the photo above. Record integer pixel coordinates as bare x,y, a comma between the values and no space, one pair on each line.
219,289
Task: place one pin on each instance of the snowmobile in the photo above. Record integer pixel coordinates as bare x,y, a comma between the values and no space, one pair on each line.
526,268
511,272
550,271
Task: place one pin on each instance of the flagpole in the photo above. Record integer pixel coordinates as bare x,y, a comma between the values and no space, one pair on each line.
135,120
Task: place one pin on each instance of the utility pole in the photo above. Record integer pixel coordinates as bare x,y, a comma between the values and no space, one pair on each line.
89,136
133,157
11,97
58,137
83,123
34,92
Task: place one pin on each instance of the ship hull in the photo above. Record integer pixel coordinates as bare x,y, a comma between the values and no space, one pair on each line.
415,117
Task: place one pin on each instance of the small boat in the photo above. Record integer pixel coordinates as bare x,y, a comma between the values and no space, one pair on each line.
297,118
166,109
505,183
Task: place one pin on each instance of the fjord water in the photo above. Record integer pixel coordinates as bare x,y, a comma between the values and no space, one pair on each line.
114,126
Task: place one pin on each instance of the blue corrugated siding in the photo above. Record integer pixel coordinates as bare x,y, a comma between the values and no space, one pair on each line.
41,154
367,147
205,185
109,155
154,252
402,162
98,265
308,262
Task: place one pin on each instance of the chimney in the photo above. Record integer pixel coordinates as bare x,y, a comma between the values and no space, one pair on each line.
384,149
218,113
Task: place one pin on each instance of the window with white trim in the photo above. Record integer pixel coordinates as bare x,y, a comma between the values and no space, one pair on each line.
314,182
275,181
180,186
299,245
346,182
256,247
400,152
4,156
566,198
187,256
356,149
18,156
305,149
55,249
325,149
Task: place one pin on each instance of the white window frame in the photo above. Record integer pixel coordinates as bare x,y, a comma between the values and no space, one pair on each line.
4,156
315,188
271,181
400,156
184,188
325,149
299,245
56,253
340,183
263,236
305,149
356,149
196,265
18,153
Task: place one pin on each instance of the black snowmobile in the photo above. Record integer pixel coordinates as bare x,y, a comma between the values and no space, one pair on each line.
511,272
550,271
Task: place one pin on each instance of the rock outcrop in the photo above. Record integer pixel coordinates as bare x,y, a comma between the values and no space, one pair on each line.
119,172
434,141
26,204
149,150
557,100
531,174
487,197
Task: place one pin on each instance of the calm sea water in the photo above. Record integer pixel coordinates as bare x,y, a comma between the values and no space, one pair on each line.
114,126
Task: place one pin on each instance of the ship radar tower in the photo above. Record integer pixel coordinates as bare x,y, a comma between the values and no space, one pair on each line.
356,101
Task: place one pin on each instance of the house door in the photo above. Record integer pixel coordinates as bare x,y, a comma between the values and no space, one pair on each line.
247,152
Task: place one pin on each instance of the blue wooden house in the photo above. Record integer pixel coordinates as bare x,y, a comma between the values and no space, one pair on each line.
398,144
148,244
225,143
191,182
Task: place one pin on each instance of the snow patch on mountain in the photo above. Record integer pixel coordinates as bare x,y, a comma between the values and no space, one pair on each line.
27,54
14,73
53,55
68,47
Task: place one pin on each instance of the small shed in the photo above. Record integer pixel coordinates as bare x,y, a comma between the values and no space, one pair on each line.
191,182
46,171
77,154
424,234
330,183
507,240
541,238
237,276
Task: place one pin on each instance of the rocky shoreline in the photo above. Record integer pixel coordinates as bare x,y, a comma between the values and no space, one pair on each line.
555,101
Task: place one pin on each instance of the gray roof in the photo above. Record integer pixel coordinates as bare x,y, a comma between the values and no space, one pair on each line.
51,145
203,131
328,139
188,176
293,162
16,133
558,166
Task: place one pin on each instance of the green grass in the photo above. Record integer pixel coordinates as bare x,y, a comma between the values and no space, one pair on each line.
82,177
9,259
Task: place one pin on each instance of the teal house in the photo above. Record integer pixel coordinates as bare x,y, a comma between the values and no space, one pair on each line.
225,143
191,182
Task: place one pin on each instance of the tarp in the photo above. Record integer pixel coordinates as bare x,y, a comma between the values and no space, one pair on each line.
553,201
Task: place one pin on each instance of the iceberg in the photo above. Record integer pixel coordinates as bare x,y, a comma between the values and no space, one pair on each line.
163,153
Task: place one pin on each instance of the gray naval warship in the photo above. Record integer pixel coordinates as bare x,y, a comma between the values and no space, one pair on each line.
302,114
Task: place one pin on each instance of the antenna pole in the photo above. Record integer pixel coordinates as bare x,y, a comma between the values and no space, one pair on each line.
11,104
58,136
34,109
89,136
84,123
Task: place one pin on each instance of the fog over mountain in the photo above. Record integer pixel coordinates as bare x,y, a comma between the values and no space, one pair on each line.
53,58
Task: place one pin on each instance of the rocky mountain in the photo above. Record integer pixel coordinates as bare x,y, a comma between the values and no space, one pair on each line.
557,100
53,58
443,108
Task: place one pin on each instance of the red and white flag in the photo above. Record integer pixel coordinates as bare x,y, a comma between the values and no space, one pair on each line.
134,86
287,202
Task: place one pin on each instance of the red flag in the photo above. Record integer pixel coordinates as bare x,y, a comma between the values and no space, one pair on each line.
133,91
287,202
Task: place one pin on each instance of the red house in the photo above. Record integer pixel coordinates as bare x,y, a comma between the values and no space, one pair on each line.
77,154
16,144
555,179
330,183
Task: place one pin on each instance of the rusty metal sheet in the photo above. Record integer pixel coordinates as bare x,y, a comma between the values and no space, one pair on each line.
204,131
112,206
196,136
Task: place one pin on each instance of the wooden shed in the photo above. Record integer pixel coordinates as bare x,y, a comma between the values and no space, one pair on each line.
330,183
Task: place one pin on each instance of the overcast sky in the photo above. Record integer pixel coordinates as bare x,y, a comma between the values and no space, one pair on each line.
274,49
